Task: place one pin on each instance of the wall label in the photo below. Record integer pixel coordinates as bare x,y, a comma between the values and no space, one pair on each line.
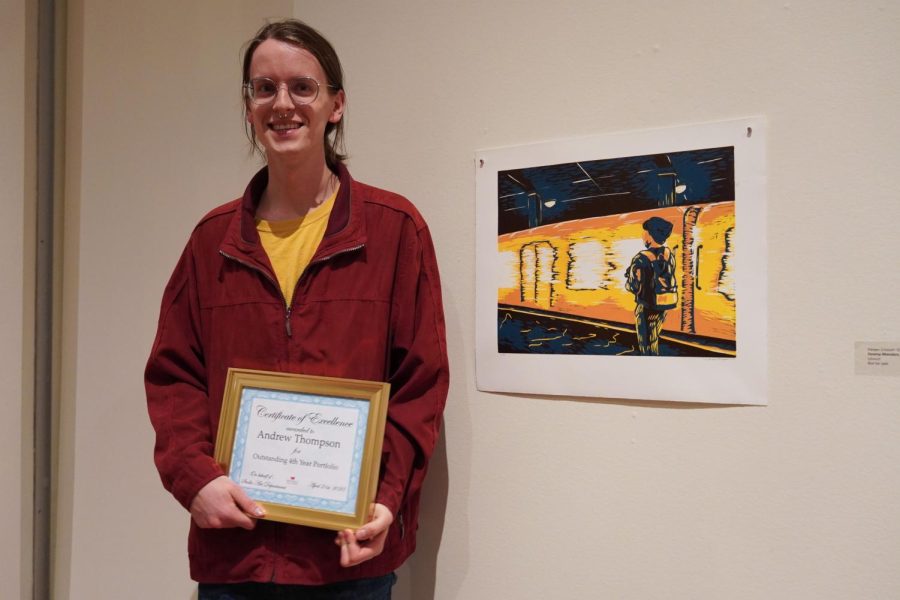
878,358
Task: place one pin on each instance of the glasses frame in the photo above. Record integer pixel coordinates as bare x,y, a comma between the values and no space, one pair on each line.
248,90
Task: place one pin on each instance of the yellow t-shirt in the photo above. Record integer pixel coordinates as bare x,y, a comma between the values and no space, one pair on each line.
291,244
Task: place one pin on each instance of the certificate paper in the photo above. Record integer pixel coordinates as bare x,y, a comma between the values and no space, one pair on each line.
301,450
307,448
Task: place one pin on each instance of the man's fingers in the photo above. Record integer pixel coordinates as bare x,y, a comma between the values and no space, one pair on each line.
344,538
355,551
352,553
368,541
243,508
222,503
243,521
380,521
247,505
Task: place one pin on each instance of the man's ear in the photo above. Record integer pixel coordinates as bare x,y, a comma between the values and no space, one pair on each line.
337,109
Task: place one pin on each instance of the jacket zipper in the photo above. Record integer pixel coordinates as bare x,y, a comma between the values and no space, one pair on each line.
303,274
287,308
338,253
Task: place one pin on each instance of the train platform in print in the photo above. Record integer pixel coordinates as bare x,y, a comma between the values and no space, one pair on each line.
526,331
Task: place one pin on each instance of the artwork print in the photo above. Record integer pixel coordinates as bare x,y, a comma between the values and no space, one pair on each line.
605,260
584,274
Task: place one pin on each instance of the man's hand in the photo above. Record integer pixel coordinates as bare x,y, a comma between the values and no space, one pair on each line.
222,503
367,541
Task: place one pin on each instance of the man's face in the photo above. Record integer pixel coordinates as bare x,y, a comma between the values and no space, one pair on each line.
285,129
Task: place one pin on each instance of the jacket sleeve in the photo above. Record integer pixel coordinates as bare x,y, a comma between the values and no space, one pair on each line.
175,382
418,370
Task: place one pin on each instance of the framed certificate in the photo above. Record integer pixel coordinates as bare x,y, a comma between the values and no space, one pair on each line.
306,448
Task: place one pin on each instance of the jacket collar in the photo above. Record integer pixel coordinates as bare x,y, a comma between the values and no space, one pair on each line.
345,229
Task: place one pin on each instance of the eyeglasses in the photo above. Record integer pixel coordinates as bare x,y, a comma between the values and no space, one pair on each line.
303,90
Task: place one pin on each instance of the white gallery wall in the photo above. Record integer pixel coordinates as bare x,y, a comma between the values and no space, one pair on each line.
15,314
529,497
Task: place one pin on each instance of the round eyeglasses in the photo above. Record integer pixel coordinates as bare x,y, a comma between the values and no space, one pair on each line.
303,90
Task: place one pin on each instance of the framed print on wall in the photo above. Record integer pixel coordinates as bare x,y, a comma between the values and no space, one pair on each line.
628,265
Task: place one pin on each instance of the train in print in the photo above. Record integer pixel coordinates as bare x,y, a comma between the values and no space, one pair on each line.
576,269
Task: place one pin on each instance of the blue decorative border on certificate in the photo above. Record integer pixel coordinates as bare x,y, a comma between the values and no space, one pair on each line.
348,506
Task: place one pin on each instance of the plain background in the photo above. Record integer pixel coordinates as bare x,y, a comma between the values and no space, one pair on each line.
16,325
529,497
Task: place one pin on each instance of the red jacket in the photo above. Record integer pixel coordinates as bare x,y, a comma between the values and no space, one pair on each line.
367,307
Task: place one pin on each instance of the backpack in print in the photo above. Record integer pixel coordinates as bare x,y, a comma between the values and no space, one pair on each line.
663,293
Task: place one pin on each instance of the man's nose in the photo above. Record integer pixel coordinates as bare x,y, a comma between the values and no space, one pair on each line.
283,98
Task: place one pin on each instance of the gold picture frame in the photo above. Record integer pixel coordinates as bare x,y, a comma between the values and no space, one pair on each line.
307,448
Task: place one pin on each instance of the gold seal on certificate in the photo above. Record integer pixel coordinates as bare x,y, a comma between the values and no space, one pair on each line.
307,448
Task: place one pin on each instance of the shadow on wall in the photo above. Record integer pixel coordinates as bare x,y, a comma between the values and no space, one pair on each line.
417,578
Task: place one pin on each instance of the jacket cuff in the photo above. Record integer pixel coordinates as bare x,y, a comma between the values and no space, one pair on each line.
195,475
397,459
390,499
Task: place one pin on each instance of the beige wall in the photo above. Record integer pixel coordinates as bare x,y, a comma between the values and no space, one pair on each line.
529,497
16,253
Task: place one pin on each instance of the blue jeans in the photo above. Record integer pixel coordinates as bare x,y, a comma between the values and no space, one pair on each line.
376,588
